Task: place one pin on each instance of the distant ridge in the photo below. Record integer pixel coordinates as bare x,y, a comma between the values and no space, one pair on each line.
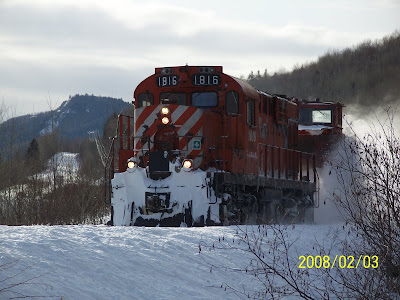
366,75
73,119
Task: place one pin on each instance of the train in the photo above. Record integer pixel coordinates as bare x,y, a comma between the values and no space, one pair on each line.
205,148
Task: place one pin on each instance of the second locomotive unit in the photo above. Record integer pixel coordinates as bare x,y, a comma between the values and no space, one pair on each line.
206,148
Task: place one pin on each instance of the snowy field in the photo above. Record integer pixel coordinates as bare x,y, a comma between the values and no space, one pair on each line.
100,262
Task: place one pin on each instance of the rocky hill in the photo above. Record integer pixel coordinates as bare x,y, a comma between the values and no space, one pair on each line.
73,119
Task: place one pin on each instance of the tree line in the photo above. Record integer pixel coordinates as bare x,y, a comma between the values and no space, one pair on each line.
366,75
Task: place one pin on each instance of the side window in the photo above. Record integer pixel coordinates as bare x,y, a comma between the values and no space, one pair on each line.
232,102
265,103
281,111
175,98
305,116
293,133
251,120
271,107
145,99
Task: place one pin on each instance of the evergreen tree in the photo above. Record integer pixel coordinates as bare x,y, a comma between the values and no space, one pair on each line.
32,153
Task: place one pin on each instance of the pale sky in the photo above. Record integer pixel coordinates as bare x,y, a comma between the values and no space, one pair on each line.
50,49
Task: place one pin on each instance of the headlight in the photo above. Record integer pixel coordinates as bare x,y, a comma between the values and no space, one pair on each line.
132,164
187,165
165,120
165,110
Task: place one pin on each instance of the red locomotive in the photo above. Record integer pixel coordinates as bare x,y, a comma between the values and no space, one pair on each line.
207,148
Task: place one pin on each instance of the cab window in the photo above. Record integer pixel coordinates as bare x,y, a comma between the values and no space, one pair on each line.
173,98
251,120
205,100
271,107
232,102
145,99
322,116
265,103
315,116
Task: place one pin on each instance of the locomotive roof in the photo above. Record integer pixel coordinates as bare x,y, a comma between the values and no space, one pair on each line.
318,103
246,87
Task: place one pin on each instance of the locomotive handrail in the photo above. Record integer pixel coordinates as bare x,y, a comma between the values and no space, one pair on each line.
294,150
296,166
109,173
110,161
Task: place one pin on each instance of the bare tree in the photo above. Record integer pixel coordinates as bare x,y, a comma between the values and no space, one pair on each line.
367,246
369,194
13,277
11,169
273,264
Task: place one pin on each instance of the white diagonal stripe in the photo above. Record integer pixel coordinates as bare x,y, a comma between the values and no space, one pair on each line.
189,123
178,112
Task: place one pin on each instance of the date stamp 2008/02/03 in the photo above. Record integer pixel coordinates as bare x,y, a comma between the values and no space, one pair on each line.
342,261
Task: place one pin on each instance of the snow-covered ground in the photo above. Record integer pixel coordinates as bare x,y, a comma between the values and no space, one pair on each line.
100,262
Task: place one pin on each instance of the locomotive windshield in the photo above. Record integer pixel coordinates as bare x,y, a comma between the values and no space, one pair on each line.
315,116
175,98
205,100
146,99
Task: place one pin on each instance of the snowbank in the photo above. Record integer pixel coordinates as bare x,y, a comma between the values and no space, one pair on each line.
100,262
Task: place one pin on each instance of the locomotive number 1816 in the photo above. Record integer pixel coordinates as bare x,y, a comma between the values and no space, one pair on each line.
167,80
206,79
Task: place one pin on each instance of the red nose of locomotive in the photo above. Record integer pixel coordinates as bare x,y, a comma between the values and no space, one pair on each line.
168,133
166,136
166,139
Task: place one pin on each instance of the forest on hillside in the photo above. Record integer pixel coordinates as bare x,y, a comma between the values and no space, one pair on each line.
55,177
367,74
